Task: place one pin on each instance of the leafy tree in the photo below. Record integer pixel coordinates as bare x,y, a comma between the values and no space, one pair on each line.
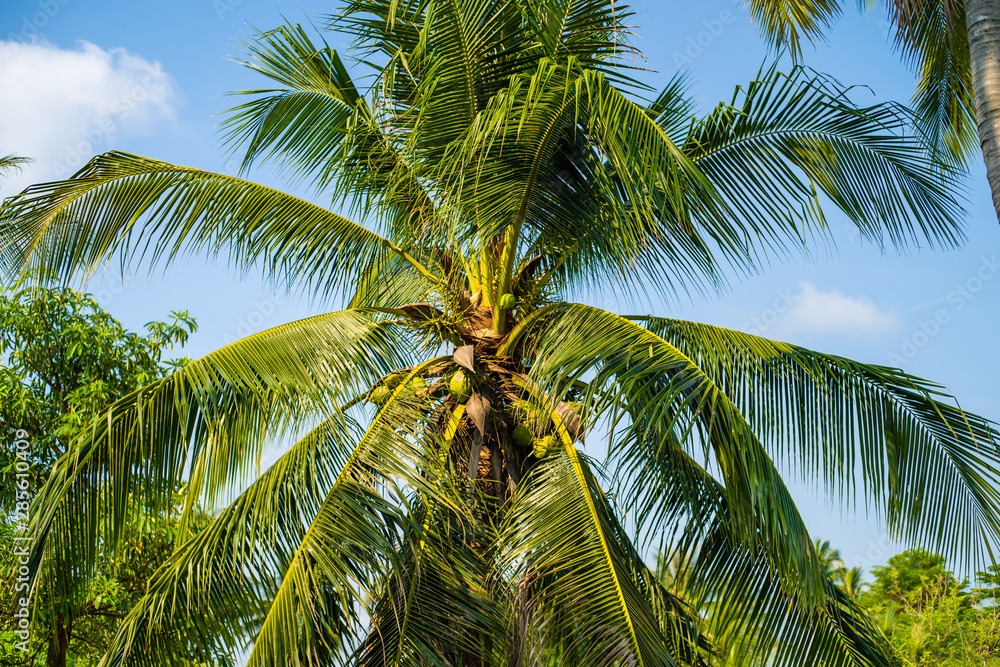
988,590
930,616
442,509
65,359
954,45
913,574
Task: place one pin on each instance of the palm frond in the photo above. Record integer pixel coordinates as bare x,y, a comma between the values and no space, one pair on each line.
787,23
436,606
756,621
649,387
787,139
12,162
207,423
581,601
932,469
289,563
152,211
932,39
319,126
214,590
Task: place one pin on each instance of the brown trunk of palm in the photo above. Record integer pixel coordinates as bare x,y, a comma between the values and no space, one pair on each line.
982,19
58,644
499,466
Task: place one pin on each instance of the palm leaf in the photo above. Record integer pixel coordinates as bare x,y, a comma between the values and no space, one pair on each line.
756,621
148,210
786,23
757,148
290,560
637,374
581,604
932,469
207,422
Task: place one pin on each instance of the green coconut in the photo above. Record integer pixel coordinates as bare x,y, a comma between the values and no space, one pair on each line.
522,436
460,387
417,384
507,301
542,445
379,394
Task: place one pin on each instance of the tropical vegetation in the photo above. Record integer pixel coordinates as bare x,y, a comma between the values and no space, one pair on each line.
64,359
932,617
954,46
480,461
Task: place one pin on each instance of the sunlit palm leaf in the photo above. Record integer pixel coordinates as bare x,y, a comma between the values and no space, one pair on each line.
288,563
756,149
660,388
933,469
930,35
152,211
208,422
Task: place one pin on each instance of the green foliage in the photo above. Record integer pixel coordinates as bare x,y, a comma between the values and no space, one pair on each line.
930,616
65,359
931,37
501,158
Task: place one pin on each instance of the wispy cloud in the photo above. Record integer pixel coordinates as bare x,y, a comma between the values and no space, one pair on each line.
61,106
831,312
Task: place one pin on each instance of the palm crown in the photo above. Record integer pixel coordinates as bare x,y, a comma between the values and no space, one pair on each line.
439,510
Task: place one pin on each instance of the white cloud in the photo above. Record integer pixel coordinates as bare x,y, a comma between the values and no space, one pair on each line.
62,106
833,313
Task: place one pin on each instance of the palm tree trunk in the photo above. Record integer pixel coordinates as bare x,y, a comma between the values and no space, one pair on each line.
58,644
982,20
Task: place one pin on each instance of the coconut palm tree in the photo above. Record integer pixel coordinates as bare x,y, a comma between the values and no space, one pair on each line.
480,461
954,45
852,580
829,558
11,162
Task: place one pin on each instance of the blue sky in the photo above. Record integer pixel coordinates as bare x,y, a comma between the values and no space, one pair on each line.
146,77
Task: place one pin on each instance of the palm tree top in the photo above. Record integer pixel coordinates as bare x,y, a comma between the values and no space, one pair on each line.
500,158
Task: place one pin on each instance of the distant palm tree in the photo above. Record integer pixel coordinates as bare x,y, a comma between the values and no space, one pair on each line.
954,46
852,581
442,510
10,163
829,558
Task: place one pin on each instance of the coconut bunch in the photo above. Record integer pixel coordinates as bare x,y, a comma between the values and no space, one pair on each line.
493,422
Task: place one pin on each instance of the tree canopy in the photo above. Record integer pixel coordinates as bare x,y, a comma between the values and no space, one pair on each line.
447,501
65,358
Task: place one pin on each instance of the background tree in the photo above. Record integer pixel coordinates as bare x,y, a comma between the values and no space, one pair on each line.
65,359
10,162
954,45
440,508
930,616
